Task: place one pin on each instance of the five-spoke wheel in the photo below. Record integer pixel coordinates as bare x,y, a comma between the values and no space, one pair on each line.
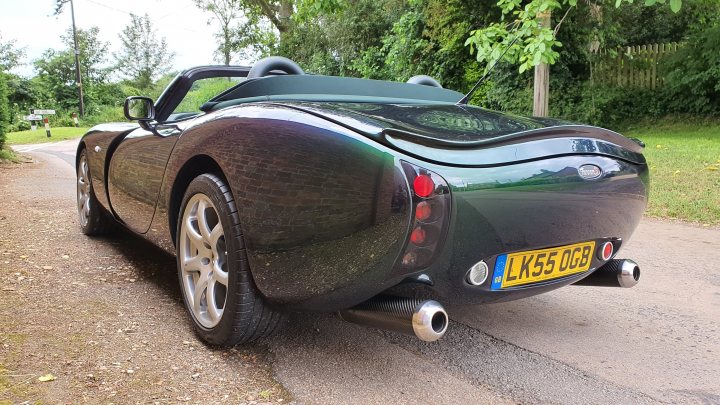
83,190
93,220
215,279
203,260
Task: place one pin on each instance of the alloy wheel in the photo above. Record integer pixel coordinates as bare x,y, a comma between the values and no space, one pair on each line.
203,261
83,191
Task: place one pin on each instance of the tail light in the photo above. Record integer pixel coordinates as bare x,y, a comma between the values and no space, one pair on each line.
430,216
606,251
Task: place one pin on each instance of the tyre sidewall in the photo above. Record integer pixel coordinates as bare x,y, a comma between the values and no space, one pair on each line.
94,224
236,259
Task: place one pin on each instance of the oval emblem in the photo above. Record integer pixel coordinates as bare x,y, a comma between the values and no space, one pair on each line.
589,172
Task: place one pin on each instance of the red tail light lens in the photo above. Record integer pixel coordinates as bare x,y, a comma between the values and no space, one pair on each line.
431,206
417,236
606,251
423,185
423,211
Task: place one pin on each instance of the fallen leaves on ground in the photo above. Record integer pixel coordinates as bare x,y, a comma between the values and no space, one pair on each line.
47,377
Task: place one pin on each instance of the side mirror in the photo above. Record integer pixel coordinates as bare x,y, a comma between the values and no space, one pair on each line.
139,108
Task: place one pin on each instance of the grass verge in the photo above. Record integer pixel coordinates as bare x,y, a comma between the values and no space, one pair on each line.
8,156
39,136
684,161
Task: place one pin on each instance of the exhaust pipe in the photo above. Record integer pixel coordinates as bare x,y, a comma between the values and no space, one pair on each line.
623,273
425,319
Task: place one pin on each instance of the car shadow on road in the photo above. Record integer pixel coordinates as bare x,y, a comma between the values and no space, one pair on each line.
152,263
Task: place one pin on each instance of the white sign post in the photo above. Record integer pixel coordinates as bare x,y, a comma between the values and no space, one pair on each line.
36,115
41,112
33,118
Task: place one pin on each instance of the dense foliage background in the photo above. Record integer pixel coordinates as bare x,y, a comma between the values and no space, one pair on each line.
395,40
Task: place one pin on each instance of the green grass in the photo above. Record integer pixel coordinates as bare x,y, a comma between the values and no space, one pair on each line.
684,161
7,155
39,135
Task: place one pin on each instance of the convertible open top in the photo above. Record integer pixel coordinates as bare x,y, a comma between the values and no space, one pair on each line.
329,89
377,199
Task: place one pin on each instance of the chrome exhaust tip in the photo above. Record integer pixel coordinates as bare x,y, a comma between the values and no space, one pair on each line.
628,274
430,321
623,273
426,319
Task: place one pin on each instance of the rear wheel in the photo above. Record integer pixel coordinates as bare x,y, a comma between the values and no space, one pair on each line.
215,278
93,220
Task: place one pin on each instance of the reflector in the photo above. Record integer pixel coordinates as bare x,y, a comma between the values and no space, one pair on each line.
409,259
606,251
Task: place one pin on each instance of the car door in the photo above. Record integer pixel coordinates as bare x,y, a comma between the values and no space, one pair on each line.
135,174
137,165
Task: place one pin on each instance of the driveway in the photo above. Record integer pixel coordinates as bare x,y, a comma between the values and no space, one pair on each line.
110,308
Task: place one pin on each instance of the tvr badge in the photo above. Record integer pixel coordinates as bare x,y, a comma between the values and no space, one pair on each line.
589,172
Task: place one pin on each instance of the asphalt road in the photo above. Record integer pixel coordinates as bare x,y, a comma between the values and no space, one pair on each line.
656,343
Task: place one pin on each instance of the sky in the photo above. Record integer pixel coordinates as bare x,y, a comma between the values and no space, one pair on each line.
183,25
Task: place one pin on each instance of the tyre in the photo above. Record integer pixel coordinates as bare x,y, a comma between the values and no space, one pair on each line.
93,219
215,278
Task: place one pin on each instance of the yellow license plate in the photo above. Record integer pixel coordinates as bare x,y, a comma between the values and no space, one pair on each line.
517,269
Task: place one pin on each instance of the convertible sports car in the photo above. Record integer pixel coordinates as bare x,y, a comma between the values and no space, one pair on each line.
282,191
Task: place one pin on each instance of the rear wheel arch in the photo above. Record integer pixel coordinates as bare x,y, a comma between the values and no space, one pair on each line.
196,166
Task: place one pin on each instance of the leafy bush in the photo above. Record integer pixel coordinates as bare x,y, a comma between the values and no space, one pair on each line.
605,105
4,109
19,126
105,114
692,83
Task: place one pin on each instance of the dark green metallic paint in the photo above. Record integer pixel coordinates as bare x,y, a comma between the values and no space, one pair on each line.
325,205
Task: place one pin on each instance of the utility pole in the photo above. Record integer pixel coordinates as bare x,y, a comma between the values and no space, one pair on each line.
78,79
542,78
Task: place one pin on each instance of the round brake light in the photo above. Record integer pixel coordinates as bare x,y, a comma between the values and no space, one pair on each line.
423,185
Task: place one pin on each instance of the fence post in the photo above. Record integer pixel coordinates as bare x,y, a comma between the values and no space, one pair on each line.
634,66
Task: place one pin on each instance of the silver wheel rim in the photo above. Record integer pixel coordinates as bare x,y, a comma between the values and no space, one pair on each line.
203,261
83,191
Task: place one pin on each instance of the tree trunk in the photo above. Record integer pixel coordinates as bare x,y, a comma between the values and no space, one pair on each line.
541,95
226,46
286,10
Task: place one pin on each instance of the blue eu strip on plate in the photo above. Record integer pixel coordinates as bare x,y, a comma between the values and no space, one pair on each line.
499,272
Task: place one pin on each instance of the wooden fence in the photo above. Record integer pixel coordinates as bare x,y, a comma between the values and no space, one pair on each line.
633,66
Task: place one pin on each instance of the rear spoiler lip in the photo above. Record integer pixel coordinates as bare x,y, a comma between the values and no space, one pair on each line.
515,148
553,132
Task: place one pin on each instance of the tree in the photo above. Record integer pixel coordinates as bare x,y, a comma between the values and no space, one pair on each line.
10,55
279,12
144,57
225,12
4,109
335,44
238,32
528,42
57,68
93,53
59,5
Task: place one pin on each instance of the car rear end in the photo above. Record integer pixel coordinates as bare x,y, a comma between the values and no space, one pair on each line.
466,206
501,207
503,232
509,218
